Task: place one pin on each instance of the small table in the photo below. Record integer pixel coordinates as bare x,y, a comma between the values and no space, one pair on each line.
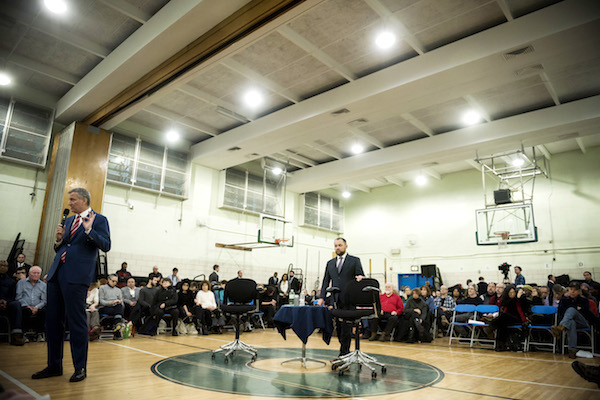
304,320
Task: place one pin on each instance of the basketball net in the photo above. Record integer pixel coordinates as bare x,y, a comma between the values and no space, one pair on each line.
503,241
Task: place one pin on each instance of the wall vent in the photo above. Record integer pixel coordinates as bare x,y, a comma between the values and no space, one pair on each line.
340,111
518,52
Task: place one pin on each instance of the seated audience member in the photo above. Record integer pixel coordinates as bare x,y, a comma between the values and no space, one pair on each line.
573,312
31,296
406,294
214,276
206,308
544,292
111,303
155,273
536,300
174,277
295,283
414,320
585,292
240,274
557,293
131,293
91,311
481,286
311,298
144,303
491,291
284,290
445,304
514,310
267,305
19,263
165,302
8,291
426,295
472,298
185,303
123,275
496,299
20,273
391,310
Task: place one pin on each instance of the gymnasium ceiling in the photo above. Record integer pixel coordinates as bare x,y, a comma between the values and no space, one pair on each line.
531,68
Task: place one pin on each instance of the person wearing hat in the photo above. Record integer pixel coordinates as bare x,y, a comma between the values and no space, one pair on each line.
574,312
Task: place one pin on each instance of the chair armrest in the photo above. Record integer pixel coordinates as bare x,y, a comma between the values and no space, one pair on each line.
370,289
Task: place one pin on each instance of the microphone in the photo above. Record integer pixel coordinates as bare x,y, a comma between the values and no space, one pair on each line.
64,216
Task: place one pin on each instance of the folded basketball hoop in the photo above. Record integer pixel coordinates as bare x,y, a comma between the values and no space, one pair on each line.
503,241
281,242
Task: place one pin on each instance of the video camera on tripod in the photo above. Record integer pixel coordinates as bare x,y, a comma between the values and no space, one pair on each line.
505,268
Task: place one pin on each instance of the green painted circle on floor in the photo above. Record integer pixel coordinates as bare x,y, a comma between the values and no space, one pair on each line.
271,379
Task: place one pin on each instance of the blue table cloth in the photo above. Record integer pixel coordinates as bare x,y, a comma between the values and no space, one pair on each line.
304,320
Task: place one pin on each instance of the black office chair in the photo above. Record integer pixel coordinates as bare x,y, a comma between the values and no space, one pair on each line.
360,300
238,296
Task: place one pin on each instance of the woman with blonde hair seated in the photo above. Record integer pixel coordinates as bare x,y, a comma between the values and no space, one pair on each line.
91,311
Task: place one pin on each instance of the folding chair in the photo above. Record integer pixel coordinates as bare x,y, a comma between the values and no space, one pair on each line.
589,332
475,332
542,310
460,308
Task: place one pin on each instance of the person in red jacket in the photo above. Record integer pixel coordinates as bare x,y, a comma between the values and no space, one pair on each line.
391,307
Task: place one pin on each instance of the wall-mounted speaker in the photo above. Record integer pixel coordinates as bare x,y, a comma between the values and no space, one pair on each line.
502,196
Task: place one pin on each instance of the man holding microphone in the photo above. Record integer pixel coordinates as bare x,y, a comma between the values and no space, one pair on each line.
73,269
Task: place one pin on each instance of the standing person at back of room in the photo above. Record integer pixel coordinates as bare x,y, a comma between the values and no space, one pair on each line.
214,276
73,269
519,278
338,272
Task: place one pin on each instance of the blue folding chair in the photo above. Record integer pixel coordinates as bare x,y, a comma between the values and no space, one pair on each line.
475,332
460,308
542,310
589,332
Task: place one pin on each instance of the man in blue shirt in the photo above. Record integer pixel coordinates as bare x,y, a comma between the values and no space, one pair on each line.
519,279
31,295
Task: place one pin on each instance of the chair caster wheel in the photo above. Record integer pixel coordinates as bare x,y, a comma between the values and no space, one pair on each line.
212,357
226,360
373,374
253,358
341,372
360,367
383,370
333,367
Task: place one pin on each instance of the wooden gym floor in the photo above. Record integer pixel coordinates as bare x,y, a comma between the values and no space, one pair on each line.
163,366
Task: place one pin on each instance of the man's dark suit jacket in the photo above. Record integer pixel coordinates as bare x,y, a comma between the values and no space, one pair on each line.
273,281
214,277
350,269
295,284
82,250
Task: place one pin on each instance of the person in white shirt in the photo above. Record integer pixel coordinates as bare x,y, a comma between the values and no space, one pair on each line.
284,290
206,308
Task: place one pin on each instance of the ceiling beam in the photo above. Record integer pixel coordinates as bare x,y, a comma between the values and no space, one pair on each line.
29,94
550,87
128,10
300,158
365,136
407,36
505,7
395,181
581,144
474,164
417,124
325,150
286,160
432,173
261,80
65,36
544,151
151,135
287,32
180,119
214,100
360,187
40,68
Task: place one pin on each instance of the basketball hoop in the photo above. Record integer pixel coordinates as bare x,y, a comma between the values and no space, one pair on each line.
503,241
281,242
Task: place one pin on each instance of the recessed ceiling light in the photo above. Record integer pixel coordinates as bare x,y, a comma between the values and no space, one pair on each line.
253,98
518,162
277,171
56,6
421,180
172,136
385,40
346,194
471,117
357,149
5,79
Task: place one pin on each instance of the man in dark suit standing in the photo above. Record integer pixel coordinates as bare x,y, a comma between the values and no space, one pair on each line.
295,283
73,269
214,276
273,281
339,271
19,263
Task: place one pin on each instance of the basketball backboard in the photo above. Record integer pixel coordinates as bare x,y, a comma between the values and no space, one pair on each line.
506,224
275,230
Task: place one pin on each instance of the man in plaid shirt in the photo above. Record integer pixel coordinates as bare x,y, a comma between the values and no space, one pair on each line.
445,304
